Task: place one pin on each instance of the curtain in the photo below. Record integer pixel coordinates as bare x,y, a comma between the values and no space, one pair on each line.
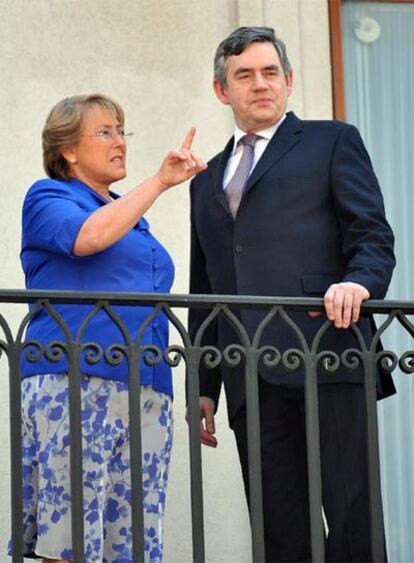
378,45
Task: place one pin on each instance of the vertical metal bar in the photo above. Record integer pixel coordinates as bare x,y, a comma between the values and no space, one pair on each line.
374,480
135,445
254,456
76,466
16,453
314,460
196,475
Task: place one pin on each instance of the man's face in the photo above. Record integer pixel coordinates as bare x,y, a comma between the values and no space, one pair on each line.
256,88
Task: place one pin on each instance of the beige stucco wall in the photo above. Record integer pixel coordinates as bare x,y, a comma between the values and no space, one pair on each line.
155,57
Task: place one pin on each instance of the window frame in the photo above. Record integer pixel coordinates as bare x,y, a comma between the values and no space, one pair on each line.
337,60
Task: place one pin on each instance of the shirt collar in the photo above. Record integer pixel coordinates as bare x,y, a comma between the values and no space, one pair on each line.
266,134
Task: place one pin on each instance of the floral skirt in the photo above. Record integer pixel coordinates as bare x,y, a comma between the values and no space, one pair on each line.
106,468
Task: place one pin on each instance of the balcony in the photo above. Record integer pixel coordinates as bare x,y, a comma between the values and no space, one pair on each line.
247,352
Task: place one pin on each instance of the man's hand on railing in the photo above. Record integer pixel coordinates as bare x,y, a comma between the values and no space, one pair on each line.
343,303
207,427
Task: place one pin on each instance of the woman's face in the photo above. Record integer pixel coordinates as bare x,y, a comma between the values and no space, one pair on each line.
98,158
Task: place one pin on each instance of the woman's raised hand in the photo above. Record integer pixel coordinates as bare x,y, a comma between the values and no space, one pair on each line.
111,222
181,164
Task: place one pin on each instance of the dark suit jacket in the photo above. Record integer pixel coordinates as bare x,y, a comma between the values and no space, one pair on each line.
311,215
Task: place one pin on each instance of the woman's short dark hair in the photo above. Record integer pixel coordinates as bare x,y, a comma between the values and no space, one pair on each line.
239,40
63,126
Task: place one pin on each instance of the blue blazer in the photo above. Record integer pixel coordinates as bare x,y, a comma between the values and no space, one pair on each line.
311,214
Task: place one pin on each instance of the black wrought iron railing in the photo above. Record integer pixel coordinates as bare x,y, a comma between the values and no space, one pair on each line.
246,351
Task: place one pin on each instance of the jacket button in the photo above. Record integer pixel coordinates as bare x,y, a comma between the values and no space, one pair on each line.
238,248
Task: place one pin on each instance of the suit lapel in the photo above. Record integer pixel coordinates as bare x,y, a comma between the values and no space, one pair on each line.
218,174
285,138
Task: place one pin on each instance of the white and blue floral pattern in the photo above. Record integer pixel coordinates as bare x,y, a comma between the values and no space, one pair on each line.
106,468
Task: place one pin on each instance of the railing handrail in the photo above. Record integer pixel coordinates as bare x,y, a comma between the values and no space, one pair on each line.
247,347
183,300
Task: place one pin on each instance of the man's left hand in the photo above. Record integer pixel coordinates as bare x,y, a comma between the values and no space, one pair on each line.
343,303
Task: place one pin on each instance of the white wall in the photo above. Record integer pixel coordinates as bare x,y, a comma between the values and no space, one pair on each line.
155,58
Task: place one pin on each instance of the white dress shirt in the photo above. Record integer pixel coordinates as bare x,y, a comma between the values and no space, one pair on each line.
261,144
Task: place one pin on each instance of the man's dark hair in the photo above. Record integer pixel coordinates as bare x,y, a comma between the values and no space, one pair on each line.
239,40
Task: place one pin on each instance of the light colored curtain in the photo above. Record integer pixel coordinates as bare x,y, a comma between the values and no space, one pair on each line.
378,44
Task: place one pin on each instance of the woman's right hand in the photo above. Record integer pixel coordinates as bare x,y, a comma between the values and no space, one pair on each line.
180,164
109,223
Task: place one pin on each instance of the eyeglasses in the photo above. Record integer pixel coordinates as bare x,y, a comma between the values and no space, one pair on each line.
106,135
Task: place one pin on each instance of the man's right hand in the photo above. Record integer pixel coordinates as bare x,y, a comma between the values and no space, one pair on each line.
207,427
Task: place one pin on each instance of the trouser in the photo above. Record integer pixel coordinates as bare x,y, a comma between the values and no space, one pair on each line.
343,442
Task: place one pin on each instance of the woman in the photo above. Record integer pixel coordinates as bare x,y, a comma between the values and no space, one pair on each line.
79,235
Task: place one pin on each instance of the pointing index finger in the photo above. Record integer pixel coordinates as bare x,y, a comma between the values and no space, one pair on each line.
189,139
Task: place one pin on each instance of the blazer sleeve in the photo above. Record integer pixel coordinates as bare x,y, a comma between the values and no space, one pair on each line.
209,379
368,241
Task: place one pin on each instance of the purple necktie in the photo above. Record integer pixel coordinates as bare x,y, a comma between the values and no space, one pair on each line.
235,187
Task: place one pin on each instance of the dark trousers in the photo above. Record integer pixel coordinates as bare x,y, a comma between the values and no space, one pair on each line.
342,414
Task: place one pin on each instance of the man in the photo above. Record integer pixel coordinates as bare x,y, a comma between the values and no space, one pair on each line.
308,221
